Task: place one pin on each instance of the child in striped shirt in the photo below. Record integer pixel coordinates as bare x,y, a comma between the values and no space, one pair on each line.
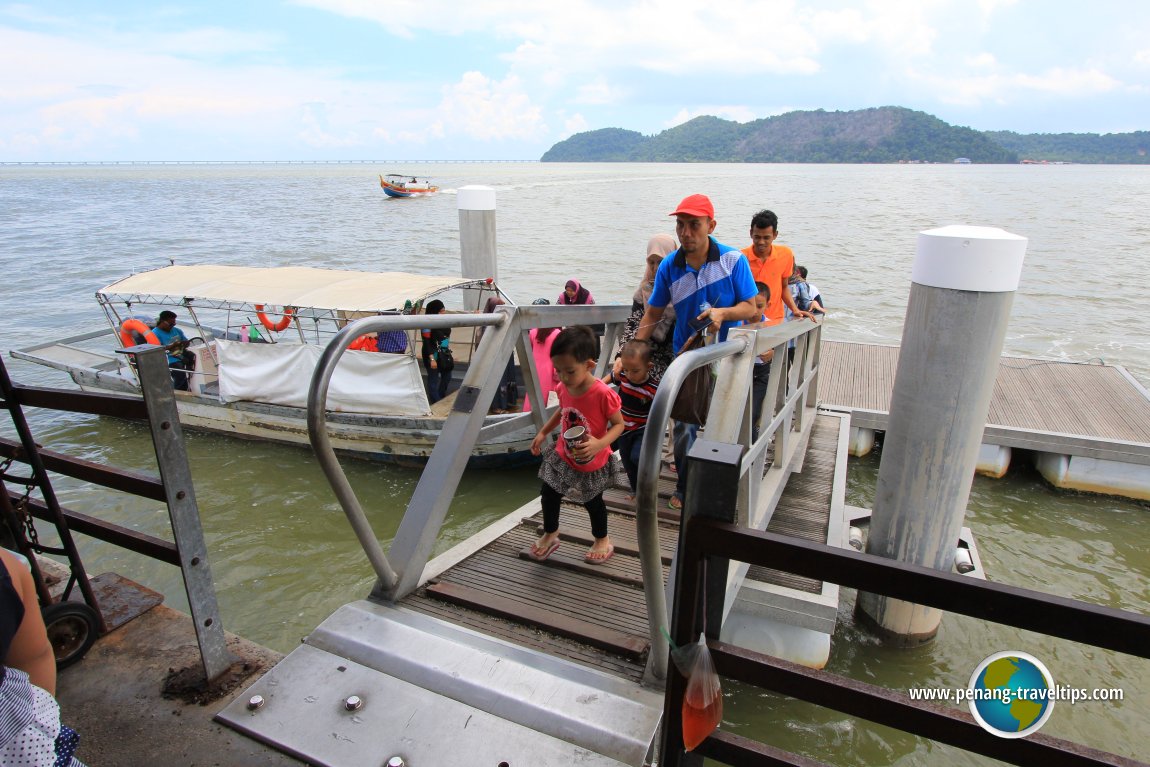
637,387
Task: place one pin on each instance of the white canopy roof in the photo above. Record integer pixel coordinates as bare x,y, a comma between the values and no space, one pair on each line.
299,286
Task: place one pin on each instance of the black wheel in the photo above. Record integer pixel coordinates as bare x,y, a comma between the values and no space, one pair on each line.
72,630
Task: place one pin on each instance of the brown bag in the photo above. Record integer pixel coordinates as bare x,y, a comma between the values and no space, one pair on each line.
695,395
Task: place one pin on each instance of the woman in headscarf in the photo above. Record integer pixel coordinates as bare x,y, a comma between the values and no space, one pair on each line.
662,347
574,293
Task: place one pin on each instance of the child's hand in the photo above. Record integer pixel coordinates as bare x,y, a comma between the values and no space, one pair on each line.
537,443
768,356
588,449
433,365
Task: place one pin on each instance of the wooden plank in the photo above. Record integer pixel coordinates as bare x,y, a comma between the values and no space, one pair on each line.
577,563
624,543
612,641
1088,400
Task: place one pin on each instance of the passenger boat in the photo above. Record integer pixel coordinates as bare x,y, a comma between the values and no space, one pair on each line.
253,363
397,185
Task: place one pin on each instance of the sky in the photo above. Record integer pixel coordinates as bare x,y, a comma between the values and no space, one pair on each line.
91,80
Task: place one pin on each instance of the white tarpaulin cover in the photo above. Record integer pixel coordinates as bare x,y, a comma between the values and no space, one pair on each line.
280,374
299,286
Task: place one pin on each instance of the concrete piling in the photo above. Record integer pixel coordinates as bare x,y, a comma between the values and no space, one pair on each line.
477,231
963,284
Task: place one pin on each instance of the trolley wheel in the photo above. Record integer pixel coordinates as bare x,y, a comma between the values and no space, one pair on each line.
72,630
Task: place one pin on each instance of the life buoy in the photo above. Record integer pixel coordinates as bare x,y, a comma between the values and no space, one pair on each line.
277,326
132,325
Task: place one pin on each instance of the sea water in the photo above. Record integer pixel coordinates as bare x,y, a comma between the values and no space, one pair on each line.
282,554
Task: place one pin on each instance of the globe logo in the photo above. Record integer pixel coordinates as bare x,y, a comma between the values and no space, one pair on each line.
1011,694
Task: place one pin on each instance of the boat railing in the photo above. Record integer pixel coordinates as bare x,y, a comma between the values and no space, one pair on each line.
173,487
711,543
468,423
792,392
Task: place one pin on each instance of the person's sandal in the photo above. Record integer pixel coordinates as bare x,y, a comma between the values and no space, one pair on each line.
675,503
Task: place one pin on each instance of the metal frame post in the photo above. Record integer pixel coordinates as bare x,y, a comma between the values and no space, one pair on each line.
44,485
176,475
712,492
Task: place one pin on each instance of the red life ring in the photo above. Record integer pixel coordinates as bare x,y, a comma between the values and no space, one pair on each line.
277,326
132,325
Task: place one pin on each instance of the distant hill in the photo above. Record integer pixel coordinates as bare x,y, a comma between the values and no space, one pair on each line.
1121,148
878,135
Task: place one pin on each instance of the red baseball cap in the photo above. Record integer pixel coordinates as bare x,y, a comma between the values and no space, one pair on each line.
695,205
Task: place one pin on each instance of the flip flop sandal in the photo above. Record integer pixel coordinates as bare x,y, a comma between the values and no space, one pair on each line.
540,557
592,559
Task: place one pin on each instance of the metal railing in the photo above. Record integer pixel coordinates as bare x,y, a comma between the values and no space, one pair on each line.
790,387
709,541
399,571
173,487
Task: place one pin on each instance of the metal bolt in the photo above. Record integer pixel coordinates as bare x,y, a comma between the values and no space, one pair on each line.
395,761
254,702
353,703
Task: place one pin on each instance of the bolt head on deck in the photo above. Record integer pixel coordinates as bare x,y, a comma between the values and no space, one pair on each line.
254,702
353,703
395,761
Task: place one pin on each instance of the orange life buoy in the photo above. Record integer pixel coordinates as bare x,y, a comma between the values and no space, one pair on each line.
132,325
267,323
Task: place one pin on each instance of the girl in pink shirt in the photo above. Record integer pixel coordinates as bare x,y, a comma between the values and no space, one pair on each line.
578,469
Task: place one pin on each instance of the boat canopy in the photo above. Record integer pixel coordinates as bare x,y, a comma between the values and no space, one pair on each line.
302,287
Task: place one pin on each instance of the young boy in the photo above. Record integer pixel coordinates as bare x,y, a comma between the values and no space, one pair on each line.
637,389
762,371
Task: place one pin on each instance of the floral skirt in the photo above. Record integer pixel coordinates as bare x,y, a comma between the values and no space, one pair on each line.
574,485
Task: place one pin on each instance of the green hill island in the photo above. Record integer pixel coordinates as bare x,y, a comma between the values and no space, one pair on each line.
877,135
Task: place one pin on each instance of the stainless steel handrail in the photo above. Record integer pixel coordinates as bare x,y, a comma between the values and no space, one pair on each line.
647,492
317,417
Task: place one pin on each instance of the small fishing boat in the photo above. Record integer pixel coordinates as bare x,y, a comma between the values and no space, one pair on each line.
253,363
397,185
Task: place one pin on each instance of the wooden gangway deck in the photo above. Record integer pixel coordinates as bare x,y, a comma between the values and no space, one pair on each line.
1096,410
595,614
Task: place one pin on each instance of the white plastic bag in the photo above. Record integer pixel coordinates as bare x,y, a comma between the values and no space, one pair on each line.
703,701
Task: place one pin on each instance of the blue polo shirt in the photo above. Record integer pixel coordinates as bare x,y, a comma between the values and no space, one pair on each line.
723,281
175,334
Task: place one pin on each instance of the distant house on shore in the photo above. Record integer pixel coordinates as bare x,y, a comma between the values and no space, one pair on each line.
962,161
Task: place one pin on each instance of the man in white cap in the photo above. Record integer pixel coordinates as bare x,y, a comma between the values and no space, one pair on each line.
710,285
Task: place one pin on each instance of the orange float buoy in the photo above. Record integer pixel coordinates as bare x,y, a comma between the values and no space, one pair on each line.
133,325
277,326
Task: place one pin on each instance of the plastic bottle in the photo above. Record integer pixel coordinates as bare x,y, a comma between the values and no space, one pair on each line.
243,334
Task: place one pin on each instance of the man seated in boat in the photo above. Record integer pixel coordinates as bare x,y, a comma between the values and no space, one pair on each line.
180,360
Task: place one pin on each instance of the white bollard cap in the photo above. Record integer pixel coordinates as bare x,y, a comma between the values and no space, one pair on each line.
978,258
475,198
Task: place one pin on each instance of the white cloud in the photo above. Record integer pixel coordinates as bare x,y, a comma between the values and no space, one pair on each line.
599,92
487,109
1142,57
574,124
738,113
981,60
1003,88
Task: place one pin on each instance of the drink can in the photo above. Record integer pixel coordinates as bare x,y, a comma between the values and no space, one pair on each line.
573,437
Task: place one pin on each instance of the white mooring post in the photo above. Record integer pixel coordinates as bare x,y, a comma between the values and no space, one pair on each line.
962,288
477,232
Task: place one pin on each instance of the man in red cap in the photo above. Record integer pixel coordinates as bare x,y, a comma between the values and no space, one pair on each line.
711,287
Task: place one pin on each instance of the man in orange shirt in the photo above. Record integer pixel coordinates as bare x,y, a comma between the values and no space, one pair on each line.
772,265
